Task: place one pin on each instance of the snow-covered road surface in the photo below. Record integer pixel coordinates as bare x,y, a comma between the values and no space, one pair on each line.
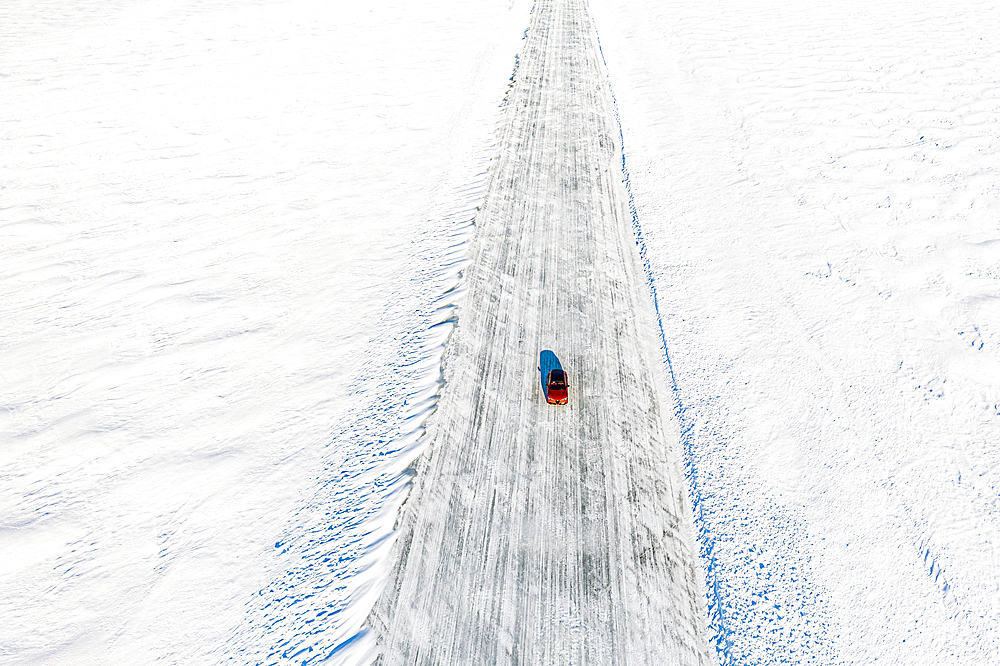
539,534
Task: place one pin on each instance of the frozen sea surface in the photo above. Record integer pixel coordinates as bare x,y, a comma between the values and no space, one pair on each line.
226,230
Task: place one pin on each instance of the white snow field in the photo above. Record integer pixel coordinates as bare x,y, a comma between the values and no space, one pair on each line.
227,230
817,187
224,231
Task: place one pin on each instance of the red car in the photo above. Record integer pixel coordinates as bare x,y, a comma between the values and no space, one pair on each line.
556,392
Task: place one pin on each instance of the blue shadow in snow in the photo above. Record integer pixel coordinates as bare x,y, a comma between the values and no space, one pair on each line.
547,360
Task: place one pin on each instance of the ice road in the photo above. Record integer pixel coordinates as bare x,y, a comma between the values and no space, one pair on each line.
541,534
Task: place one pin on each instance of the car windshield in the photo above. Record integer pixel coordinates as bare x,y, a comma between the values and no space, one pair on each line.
557,378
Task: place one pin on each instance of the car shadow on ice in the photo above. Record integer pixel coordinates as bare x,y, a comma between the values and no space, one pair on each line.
547,360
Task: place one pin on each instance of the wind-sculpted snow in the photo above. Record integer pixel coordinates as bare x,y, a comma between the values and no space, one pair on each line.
542,534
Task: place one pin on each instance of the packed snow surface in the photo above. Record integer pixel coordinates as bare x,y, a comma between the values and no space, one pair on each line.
546,534
227,228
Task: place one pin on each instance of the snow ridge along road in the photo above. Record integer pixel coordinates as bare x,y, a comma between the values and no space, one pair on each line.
541,534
